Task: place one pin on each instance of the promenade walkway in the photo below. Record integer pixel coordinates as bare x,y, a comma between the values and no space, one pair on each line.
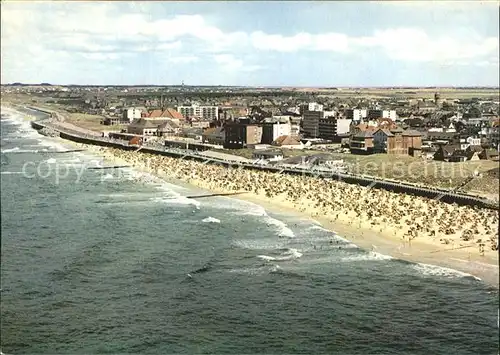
448,196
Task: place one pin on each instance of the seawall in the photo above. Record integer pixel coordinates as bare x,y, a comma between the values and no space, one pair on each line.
442,195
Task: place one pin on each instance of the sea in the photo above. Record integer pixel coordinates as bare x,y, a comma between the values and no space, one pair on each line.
103,261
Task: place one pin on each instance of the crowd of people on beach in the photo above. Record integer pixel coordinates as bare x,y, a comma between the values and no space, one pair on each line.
404,216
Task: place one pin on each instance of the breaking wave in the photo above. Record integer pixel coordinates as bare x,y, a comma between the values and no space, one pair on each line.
211,220
289,254
433,270
370,256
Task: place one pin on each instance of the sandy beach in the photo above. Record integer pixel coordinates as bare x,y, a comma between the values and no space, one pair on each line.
405,227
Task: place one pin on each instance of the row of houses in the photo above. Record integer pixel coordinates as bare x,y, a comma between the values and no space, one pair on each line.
390,140
193,113
238,135
443,146
454,153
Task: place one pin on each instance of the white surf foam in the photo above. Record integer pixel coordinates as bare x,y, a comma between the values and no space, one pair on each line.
211,220
51,161
19,119
52,143
275,268
283,230
434,270
15,149
370,256
259,244
252,210
290,254
318,227
181,200
340,239
107,177
11,172
245,208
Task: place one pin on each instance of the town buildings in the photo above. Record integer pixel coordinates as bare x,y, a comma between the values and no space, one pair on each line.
386,138
214,135
312,106
133,113
377,114
205,112
361,142
168,113
239,135
334,129
310,123
272,130
356,114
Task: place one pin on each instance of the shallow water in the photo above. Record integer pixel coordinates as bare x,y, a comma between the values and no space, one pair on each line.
117,261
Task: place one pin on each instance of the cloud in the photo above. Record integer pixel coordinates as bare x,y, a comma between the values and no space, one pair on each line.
406,44
415,45
230,63
46,37
183,59
441,3
70,30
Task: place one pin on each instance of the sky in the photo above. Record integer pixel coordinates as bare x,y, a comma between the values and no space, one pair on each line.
271,43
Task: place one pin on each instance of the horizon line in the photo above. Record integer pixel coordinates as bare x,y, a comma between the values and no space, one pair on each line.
263,86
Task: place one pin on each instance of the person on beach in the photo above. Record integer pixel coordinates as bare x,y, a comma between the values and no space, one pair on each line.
379,210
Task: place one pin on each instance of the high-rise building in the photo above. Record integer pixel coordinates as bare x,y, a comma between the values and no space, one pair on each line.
205,112
356,114
376,114
310,123
331,128
272,130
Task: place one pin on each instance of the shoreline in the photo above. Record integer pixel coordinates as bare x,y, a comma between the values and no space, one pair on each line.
465,258
417,251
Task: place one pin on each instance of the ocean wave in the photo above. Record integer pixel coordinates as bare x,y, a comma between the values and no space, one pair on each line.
283,230
211,220
370,256
318,227
254,210
434,270
181,200
249,271
50,142
259,244
245,208
289,254
107,177
11,172
15,149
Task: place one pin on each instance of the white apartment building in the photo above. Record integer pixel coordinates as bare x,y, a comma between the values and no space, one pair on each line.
272,130
281,129
206,112
343,125
312,106
356,114
389,114
132,113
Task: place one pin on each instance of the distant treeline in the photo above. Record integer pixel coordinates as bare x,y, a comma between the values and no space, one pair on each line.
264,89
216,94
